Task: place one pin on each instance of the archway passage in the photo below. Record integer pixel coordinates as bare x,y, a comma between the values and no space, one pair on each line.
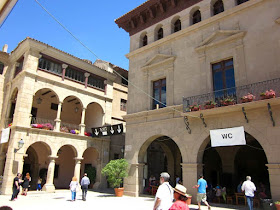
64,167
36,163
228,166
160,155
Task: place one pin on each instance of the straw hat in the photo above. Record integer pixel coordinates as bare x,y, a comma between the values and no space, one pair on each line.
181,190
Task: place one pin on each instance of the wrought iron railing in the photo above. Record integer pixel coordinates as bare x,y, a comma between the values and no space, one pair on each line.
232,95
69,126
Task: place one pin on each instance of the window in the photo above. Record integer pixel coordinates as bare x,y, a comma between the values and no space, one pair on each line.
123,105
116,156
50,66
96,82
75,74
196,17
159,93
177,26
218,7
19,66
1,67
241,1
160,34
54,106
223,79
124,82
144,40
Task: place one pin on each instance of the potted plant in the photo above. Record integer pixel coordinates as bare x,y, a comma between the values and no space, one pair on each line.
248,98
209,104
277,204
227,101
189,201
268,94
115,171
194,107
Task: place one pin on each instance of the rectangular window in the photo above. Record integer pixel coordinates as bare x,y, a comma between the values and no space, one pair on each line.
223,79
75,74
19,66
54,106
1,67
123,105
124,82
50,66
159,93
96,82
241,1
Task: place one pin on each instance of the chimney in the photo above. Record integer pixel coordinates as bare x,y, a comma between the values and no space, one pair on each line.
5,48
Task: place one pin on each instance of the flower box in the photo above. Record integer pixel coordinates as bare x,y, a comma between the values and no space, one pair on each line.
268,94
210,104
194,107
248,98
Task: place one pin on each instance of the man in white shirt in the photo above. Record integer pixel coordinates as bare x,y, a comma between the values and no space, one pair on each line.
249,188
164,196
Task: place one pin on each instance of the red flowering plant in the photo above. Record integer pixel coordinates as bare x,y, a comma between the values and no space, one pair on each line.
268,94
194,107
209,104
248,98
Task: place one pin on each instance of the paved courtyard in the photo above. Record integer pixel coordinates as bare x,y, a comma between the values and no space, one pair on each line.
95,200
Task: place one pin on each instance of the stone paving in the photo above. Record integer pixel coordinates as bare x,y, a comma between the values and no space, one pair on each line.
95,200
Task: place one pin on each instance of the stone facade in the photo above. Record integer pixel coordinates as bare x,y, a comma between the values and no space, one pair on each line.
51,100
247,33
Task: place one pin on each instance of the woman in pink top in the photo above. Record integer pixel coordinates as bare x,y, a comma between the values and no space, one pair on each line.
181,198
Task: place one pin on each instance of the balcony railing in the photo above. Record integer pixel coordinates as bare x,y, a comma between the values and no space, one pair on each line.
47,124
231,96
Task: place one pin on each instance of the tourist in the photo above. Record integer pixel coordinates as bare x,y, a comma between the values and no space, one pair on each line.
181,198
249,187
39,184
16,184
84,185
164,196
73,187
201,192
25,184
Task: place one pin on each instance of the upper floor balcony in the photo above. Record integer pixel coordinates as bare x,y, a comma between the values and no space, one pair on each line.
255,94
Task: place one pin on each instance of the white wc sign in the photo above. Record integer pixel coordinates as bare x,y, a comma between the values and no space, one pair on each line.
228,137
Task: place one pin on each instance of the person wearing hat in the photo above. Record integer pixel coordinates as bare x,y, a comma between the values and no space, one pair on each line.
180,195
164,196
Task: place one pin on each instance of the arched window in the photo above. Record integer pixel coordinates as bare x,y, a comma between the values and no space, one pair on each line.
144,41
177,26
241,1
218,7
160,34
196,17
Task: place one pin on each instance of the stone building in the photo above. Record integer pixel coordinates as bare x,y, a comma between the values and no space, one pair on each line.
197,55
50,101
6,6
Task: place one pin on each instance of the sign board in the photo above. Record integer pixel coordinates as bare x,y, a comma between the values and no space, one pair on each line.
228,137
109,130
5,135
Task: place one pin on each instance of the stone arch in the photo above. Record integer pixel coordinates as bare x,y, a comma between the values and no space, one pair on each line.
173,21
91,158
191,14
157,28
212,4
65,166
46,87
36,159
94,116
143,39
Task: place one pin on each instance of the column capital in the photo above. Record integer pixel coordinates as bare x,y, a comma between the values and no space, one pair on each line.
52,157
273,166
192,165
64,66
87,74
78,158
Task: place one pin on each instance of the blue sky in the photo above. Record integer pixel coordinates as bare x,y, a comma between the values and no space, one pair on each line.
90,20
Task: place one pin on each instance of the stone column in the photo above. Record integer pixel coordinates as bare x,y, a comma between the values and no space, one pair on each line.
58,120
64,67
86,79
82,125
77,171
206,12
49,186
190,175
133,184
274,177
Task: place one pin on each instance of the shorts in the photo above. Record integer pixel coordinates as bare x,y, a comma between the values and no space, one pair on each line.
201,197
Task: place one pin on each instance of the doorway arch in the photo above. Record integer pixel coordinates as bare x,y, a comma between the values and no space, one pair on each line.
158,154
